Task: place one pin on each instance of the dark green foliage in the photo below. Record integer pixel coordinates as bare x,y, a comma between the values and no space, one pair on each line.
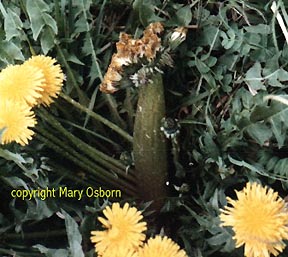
234,56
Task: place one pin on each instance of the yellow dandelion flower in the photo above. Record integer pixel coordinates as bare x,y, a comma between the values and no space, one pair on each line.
21,83
121,252
124,229
53,77
16,118
259,219
161,247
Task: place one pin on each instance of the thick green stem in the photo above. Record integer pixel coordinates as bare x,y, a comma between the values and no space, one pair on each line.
149,145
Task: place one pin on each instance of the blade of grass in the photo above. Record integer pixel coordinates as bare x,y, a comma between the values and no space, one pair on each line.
279,18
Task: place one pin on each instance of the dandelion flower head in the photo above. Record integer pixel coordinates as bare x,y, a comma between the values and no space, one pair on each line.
53,77
259,219
161,247
123,229
16,118
121,252
21,83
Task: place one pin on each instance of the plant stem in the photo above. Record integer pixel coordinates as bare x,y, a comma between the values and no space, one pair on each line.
32,235
120,171
81,95
81,145
66,150
92,168
19,253
113,109
130,109
149,148
98,117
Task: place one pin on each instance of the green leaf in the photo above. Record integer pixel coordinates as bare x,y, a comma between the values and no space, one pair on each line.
74,59
262,112
74,236
259,29
259,132
253,39
207,37
9,156
12,25
146,11
47,41
15,182
246,165
37,11
281,167
184,15
51,252
81,25
210,147
254,78
210,79
278,132
282,75
211,61
228,38
228,61
82,4
223,238
271,71
201,66
31,172
275,115
9,52
37,210
218,239
147,15
271,163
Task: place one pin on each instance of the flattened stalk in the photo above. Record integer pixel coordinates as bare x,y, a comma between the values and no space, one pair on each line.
149,144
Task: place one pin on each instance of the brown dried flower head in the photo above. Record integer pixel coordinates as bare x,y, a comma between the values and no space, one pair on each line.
130,51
